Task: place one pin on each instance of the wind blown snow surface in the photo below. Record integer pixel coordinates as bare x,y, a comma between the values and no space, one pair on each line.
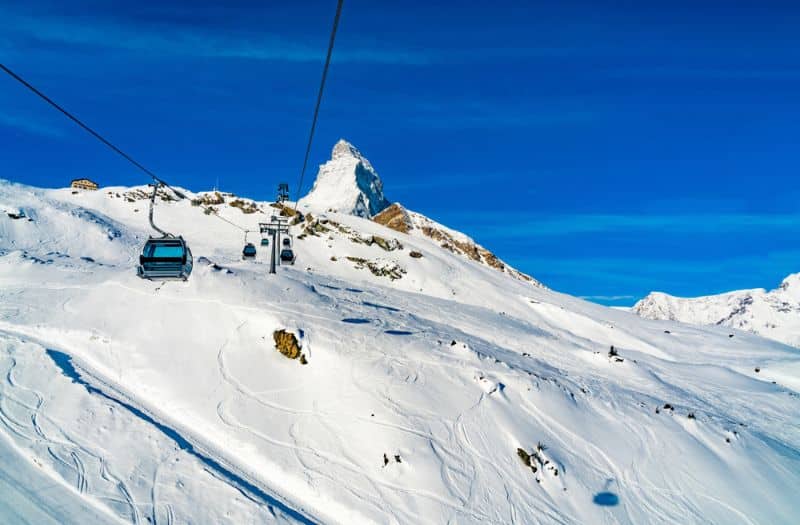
436,389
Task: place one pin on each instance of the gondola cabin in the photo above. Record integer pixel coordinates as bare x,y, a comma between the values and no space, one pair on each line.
287,256
165,258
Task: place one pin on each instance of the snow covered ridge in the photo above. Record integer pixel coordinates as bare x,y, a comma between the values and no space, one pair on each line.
425,387
774,314
349,184
346,184
402,220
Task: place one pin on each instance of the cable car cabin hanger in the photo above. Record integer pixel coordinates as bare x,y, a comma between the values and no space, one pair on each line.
166,257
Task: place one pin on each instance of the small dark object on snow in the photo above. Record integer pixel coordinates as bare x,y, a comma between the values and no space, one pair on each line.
667,406
525,354
525,457
730,335
667,332
397,458
758,370
385,459
453,342
613,352
691,415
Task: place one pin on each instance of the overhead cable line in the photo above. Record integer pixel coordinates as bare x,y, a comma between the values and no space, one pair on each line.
105,141
216,214
319,100
92,132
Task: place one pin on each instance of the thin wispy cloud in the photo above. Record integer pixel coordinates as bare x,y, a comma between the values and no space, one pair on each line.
636,271
29,125
720,73
517,225
187,41
606,297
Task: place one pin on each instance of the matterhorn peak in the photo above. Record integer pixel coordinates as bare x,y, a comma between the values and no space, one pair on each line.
343,149
347,183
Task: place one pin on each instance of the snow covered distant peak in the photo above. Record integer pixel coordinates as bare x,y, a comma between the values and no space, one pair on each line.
791,286
347,184
343,149
773,314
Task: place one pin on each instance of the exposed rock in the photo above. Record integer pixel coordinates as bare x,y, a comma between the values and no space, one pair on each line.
214,198
395,217
287,344
247,207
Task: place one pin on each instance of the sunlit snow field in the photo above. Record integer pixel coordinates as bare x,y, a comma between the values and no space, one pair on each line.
123,400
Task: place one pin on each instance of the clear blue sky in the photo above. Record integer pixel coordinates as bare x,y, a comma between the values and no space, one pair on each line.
608,150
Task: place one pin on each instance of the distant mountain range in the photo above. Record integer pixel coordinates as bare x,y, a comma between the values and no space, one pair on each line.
774,314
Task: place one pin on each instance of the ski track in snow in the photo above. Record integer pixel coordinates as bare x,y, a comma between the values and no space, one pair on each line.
72,456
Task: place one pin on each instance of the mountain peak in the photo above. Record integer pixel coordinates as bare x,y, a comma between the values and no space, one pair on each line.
347,183
343,149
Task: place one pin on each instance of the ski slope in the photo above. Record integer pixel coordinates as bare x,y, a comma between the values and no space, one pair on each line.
152,402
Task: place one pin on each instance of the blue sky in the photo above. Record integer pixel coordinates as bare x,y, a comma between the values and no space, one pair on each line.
608,150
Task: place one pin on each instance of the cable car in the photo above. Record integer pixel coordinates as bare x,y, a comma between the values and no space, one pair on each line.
265,241
287,256
249,251
287,243
165,258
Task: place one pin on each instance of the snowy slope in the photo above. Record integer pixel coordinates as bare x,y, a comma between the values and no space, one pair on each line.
168,402
774,314
347,184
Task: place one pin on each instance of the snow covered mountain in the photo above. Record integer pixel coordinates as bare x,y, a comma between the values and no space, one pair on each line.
384,378
774,314
346,184
349,184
